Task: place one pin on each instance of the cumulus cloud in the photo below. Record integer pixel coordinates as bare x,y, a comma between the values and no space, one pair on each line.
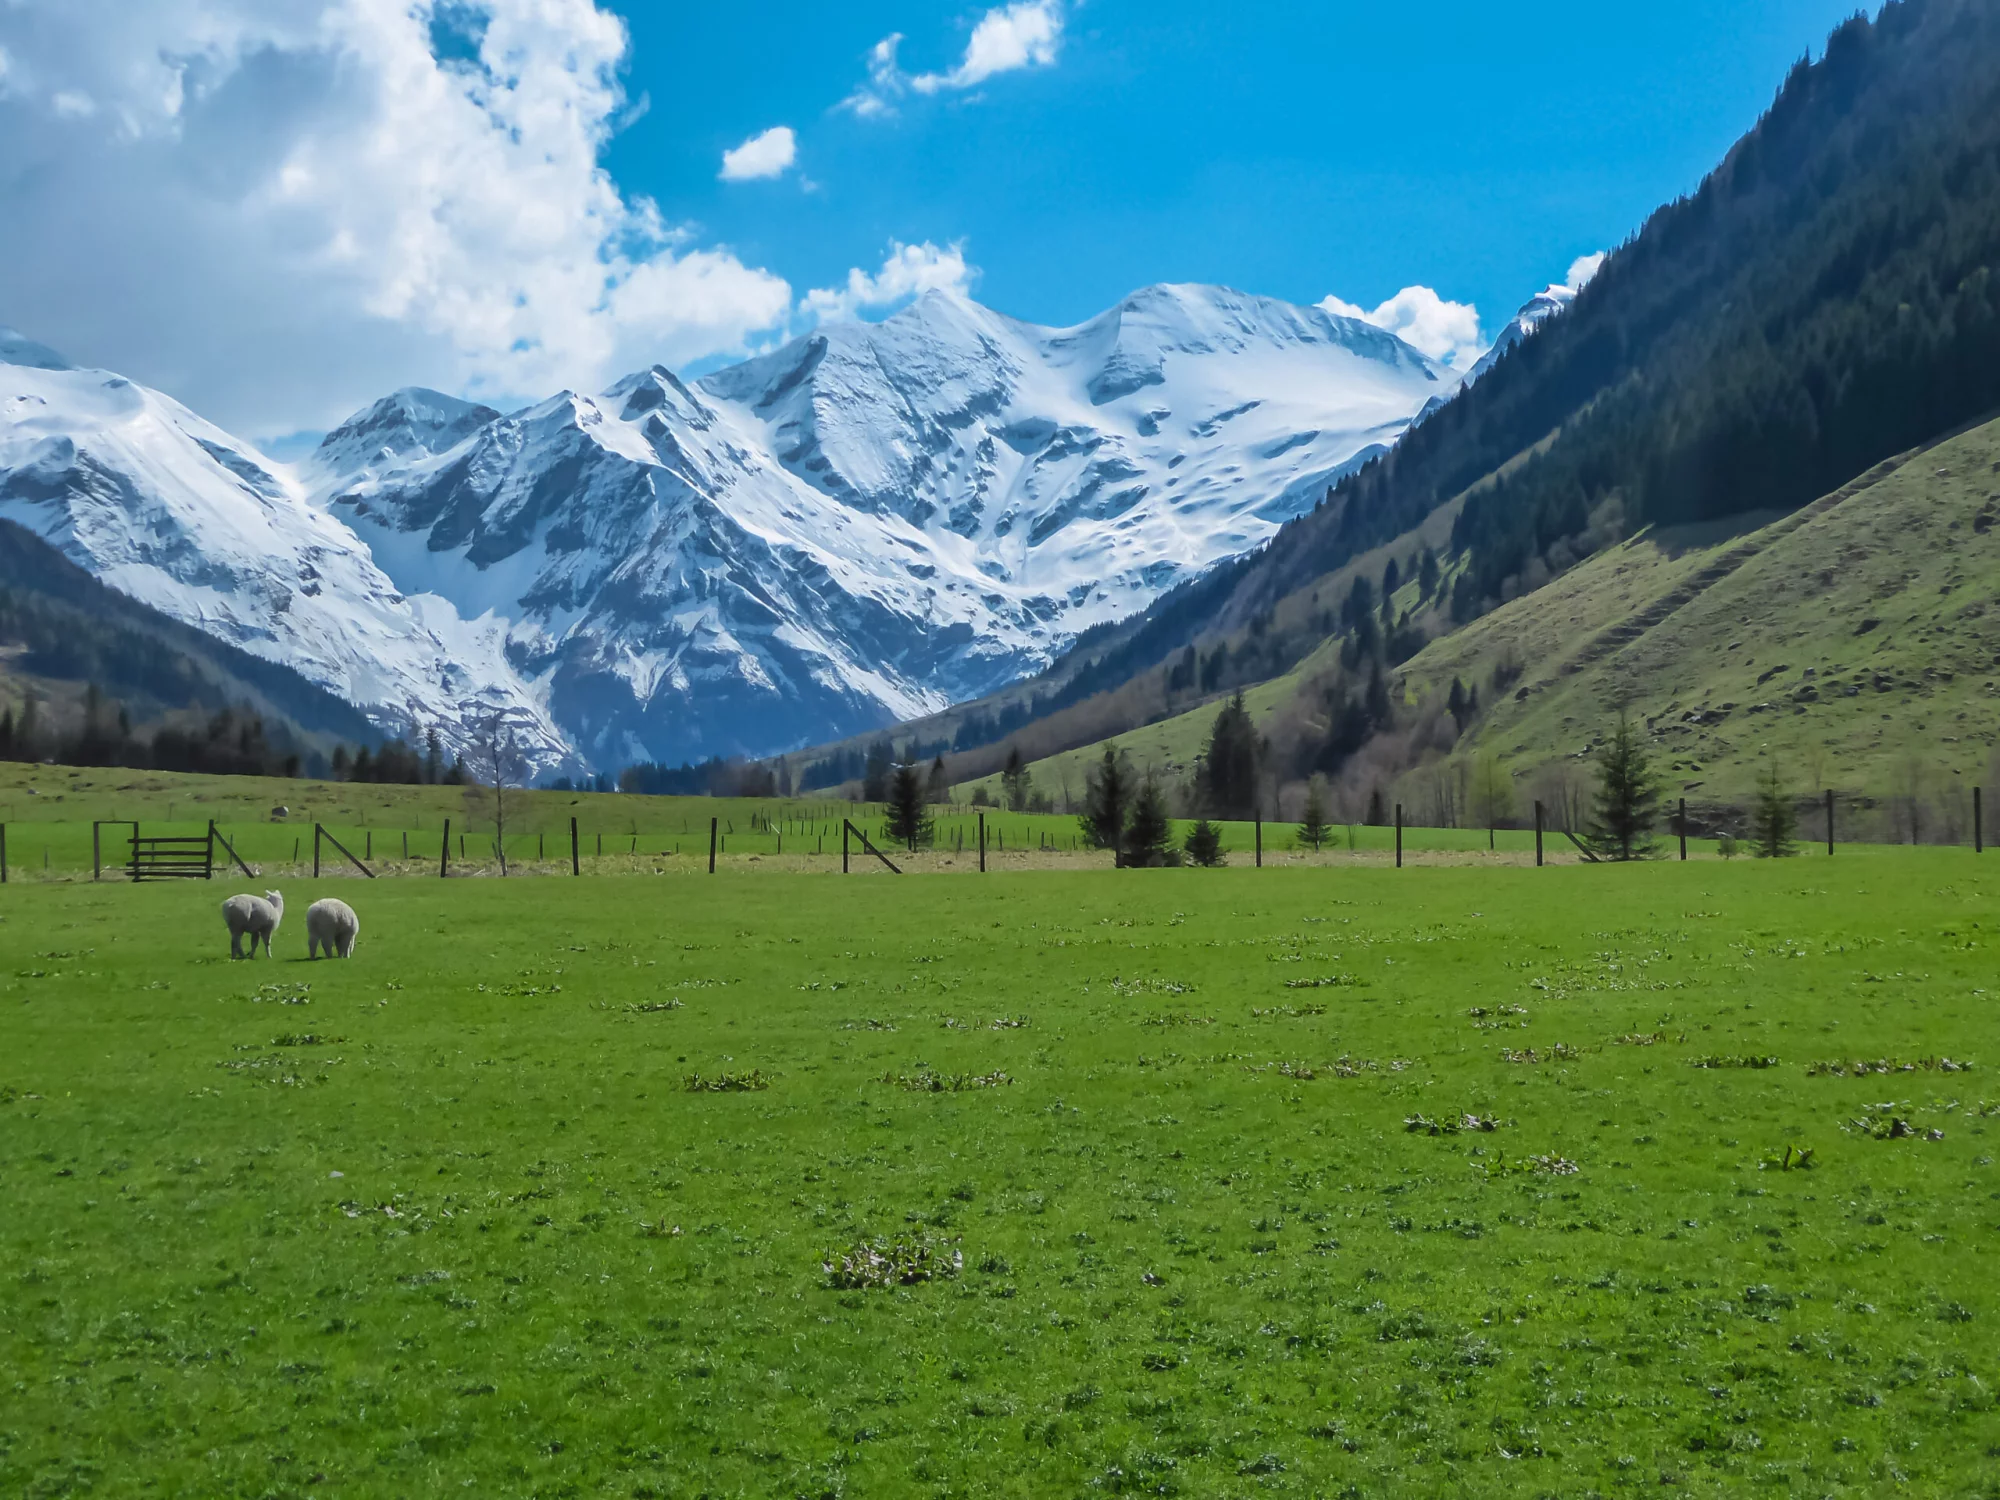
1007,38
770,154
278,209
1582,269
908,271
1447,331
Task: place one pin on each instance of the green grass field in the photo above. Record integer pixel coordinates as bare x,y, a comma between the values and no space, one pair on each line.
448,1217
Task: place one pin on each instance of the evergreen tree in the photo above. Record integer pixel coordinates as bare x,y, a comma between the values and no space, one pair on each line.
1378,811
939,788
1107,797
1313,829
875,776
433,757
1377,704
1149,835
1016,783
1428,573
907,821
1204,845
1776,817
1628,797
1229,769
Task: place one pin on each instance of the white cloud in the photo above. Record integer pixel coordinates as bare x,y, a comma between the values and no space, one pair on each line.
1024,35
1447,331
1583,269
885,81
1007,38
281,208
908,271
768,155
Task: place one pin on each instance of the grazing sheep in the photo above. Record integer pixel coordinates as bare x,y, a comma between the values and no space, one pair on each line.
331,925
279,814
257,917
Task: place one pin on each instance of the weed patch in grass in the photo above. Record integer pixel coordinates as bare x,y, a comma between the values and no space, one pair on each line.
880,1264
727,1083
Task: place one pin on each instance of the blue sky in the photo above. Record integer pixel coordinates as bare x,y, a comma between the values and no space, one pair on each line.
278,212
1284,148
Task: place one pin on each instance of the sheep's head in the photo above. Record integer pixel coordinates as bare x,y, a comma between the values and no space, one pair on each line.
276,898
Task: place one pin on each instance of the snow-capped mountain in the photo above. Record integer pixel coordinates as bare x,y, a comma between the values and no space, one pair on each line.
1537,311
864,525
873,521
177,513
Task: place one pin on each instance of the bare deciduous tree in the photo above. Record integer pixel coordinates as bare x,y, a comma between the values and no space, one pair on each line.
494,763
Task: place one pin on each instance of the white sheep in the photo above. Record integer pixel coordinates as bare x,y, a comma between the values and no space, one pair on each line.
258,917
331,925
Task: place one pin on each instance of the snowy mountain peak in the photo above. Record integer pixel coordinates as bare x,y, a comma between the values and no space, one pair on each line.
173,511
879,518
412,423
18,349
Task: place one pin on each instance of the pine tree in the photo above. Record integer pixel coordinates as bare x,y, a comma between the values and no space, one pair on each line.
907,821
938,788
1378,810
1016,784
1106,799
1628,798
1149,836
1204,845
433,757
1776,818
1313,829
1229,769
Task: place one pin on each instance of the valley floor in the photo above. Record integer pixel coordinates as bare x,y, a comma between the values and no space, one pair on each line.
537,1193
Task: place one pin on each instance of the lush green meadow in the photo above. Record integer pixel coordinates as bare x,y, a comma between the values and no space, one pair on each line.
448,1216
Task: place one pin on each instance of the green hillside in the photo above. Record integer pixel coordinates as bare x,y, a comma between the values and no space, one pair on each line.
1855,643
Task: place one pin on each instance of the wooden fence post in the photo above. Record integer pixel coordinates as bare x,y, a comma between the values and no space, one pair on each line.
315,851
3,853
1684,830
712,826
843,846
1399,835
575,851
1978,821
1260,841
444,852
982,843
1829,823
97,857
1538,835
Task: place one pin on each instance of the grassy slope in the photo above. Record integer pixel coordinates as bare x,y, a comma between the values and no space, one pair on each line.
1169,746
1728,627
454,1224
1763,637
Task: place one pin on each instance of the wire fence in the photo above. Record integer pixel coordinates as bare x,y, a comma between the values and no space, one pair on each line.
815,837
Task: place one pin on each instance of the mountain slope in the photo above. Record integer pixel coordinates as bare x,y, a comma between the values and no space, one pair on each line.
176,513
876,519
59,625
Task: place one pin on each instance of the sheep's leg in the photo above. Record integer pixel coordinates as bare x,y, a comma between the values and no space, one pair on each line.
235,943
